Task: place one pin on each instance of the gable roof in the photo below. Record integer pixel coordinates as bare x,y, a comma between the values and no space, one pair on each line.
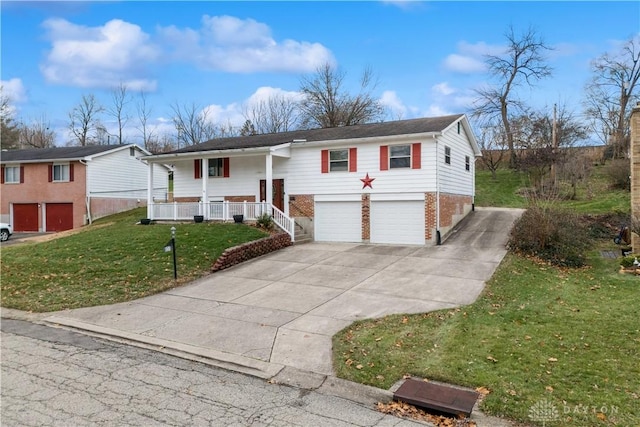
400,127
37,155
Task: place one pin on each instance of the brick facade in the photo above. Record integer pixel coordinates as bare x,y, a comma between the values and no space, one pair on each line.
36,188
450,206
101,207
301,205
240,199
250,250
635,173
366,217
429,216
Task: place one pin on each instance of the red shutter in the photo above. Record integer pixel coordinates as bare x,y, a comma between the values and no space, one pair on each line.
353,160
325,161
225,167
50,173
2,177
21,175
416,155
384,157
197,169
71,172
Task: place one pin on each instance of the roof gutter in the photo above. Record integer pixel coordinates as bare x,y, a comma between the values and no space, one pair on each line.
206,153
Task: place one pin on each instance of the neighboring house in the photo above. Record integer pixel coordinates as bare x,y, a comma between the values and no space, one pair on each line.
401,182
55,189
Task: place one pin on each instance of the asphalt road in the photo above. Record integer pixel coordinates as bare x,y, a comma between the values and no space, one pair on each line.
54,377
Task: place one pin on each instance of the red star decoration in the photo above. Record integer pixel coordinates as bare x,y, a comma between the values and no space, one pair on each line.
367,181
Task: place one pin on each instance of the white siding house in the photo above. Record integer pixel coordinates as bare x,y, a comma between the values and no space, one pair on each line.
401,182
60,188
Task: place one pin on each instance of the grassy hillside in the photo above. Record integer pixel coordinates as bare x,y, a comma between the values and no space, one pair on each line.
595,196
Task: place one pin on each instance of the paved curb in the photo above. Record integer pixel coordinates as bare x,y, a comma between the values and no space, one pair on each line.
272,372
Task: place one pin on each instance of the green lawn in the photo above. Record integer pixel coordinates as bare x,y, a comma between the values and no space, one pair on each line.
593,196
113,260
570,337
538,335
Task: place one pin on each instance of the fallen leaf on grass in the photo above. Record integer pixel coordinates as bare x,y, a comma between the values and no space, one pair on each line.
552,359
493,359
404,410
601,416
483,391
549,389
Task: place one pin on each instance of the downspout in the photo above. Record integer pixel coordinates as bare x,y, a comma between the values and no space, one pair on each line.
438,236
87,198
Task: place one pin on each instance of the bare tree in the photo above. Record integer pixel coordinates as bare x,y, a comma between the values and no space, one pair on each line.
275,114
492,143
326,104
162,144
610,94
37,134
523,62
193,125
84,120
120,99
144,114
9,132
576,169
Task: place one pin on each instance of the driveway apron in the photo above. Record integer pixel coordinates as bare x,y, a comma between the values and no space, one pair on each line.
281,310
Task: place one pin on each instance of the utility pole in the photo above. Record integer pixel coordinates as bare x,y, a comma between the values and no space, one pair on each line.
554,147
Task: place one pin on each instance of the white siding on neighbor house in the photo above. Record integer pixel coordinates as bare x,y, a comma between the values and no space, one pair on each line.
454,178
117,174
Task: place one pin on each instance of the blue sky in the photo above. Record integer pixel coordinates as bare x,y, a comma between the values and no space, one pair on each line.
427,56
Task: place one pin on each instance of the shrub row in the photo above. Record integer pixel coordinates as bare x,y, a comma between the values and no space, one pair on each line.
554,235
250,250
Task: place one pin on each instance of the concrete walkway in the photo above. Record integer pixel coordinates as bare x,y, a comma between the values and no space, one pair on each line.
274,316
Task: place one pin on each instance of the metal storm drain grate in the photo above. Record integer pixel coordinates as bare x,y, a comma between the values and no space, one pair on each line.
436,397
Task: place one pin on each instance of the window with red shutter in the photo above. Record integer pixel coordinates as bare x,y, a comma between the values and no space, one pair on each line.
384,157
416,155
353,159
324,161
197,169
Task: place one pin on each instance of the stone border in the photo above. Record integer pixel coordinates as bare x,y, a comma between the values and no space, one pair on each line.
246,251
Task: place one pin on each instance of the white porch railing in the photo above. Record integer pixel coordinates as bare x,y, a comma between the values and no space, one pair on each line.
221,211
284,222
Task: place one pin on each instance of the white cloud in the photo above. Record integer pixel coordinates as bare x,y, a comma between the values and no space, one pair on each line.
14,90
470,57
104,56
443,89
463,64
266,92
230,44
394,104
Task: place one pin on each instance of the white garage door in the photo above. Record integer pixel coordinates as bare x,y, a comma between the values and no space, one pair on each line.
338,221
397,222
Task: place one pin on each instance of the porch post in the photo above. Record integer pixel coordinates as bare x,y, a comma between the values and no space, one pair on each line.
269,181
150,190
205,190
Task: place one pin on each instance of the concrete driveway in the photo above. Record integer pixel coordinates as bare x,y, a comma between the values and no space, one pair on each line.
282,309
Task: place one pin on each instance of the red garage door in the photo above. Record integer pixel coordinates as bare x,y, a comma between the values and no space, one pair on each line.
59,216
25,217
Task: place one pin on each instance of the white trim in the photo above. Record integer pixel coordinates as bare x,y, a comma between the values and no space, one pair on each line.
337,198
387,197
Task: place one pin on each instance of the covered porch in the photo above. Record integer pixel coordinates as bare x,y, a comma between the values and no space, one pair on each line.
213,207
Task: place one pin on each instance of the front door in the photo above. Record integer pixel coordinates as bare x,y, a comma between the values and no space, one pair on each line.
278,192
